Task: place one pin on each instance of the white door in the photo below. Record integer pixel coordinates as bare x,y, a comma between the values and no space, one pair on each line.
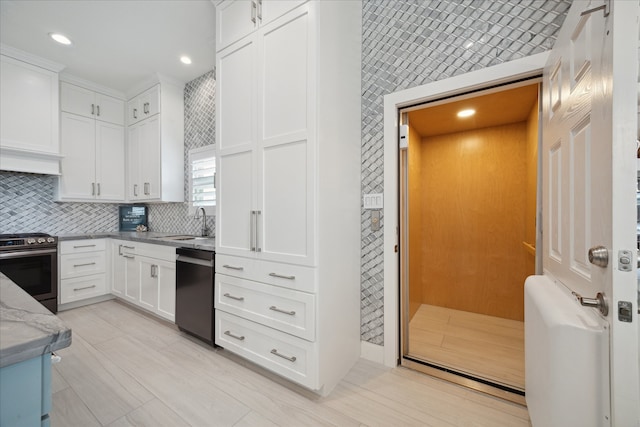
110,170
166,272
134,185
109,109
77,134
236,148
589,180
286,154
150,157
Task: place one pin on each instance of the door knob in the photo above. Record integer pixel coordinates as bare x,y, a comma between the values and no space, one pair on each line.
599,302
599,255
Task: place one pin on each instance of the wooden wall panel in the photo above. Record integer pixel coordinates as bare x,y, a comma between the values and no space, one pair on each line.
531,185
466,235
415,221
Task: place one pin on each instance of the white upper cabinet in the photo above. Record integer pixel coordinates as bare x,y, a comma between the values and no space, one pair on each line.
84,102
92,145
236,19
143,106
28,96
156,144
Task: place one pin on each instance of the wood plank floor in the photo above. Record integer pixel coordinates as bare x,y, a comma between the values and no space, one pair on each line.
126,368
488,347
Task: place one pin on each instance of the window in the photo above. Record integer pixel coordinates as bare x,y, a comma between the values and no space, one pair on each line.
202,173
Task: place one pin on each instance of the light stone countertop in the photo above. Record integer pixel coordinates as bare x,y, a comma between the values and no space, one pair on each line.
27,328
157,238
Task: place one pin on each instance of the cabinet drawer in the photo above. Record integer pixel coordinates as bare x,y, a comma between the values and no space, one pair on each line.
278,274
80,246
289,311
291,357
81,288
167,253
76,265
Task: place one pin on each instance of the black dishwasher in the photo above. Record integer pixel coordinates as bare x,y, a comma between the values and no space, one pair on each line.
194,292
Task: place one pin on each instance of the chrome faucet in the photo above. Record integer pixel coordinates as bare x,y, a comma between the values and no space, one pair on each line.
204,220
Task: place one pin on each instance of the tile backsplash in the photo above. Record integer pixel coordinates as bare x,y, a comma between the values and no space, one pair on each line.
27,204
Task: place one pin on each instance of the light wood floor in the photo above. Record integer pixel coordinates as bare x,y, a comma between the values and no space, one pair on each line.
484,346
125,368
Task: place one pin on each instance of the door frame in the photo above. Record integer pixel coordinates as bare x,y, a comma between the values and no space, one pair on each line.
507,72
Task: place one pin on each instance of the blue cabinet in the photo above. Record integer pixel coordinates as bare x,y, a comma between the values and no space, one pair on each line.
25,393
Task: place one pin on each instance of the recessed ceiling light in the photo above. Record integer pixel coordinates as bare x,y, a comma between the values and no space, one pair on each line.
466,113
60,38
185,60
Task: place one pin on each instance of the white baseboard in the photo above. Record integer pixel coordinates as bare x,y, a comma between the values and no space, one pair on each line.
372,352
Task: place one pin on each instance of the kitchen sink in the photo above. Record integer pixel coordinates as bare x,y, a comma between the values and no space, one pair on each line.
182,237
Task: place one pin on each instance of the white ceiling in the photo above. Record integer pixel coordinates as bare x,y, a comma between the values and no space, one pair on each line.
116,43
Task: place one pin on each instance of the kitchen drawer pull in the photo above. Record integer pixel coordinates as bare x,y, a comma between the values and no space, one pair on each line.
84,265
86,287
135,113
282,276
290,359
238,337
97,110
228,295
129,256
84,246
233,267
128,247
279,310
93,109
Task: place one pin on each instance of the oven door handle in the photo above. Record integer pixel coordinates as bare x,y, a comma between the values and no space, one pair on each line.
21,254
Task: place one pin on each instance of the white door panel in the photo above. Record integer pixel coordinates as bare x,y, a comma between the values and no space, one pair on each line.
110,170
79,152
285,207
237,97
284,85
109,109
235,196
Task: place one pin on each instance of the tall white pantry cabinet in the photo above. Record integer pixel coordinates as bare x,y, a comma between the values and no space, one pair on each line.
288,178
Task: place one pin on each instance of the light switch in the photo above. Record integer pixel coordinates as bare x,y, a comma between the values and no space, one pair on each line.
373,201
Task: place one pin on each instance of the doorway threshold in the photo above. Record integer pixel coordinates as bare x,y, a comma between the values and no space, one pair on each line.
463,379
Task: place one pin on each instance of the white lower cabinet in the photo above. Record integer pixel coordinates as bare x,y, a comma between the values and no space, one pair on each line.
83,272
145,275
291,357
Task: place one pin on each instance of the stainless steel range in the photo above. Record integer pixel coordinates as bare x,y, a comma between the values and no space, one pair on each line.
31,261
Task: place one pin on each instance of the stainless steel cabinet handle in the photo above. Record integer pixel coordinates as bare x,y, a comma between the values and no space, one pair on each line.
97,110
93,188
135,113
289,358
228,295
258,248
252,223
281,276
279,310
254,7
147,188
93,109
260,10
83,246
98,189
147,109
135,190
84,265
238,337
129,256
86,287
129,247
154,270
232,267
